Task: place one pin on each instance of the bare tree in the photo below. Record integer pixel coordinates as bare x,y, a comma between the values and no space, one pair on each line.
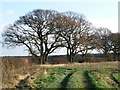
43,31
114,40
73,28
87,43
104,46
36,31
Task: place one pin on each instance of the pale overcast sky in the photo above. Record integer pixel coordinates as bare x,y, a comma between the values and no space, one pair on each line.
102,13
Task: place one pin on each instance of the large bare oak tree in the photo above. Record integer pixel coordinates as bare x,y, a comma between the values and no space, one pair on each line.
36,31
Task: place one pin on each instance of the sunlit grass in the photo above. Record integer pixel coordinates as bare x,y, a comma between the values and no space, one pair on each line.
117,76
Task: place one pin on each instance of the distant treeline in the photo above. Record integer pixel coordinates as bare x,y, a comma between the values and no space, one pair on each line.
57,59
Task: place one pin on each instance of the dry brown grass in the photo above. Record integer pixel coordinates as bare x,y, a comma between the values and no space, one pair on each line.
11,79
15,69
86,64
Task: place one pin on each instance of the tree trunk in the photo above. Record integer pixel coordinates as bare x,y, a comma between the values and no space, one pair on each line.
106,55
83,58
70,58
40,59
45,58
114,55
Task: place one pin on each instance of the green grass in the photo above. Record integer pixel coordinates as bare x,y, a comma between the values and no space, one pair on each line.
100,78
54,78
77,78
117,76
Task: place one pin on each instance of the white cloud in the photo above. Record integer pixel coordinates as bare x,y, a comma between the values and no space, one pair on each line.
111,24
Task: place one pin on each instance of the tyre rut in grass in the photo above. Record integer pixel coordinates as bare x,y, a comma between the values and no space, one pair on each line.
56,78
115,75
89,81
100,79
65,81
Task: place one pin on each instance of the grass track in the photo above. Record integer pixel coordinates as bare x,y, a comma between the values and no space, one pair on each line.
79,78
59,76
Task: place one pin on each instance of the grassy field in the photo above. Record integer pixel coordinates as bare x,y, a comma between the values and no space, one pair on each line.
117,76
77,75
